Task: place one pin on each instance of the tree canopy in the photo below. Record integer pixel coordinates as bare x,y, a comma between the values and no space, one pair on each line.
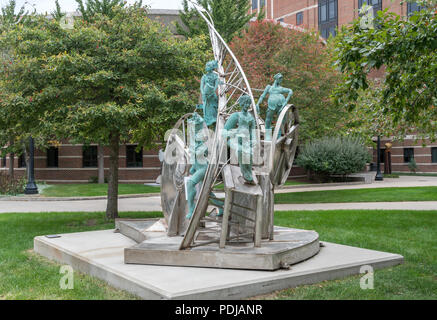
229,16
91,8
267,48
105,81
406,49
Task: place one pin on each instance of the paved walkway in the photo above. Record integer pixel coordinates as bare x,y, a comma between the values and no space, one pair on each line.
154,203
402,181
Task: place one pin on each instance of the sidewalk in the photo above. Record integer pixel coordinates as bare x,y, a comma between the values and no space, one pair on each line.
401,182
154,204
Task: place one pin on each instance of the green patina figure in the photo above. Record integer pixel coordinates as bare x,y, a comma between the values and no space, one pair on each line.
199,161
208,88
276,101
243,139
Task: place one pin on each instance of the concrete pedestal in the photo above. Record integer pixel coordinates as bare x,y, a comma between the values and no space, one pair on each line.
101,254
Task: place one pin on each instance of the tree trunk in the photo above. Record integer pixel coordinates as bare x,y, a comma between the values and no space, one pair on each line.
112,206
11,160
11,165
101,164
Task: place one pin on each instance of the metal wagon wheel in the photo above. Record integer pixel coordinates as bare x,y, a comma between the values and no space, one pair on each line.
175,168
284,145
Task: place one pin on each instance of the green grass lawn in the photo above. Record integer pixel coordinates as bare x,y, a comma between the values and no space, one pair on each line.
424,174
360,195
94,189
25,275
294,183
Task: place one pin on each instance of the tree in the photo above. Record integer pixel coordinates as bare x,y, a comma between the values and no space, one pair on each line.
9,15
105,81
406,50
88,12
267,48
11,135
93,7
57,14
229,16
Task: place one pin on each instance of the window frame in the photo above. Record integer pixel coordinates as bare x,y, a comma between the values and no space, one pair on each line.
22,161
408,157
56,157
299,17
409,8
328,27
254,4
137,161
382,155
433,154
88,161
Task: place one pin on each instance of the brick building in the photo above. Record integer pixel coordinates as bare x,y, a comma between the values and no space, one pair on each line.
77,163
326,16
68,163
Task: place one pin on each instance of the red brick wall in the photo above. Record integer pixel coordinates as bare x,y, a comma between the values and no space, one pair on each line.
347,10
422,155
71,169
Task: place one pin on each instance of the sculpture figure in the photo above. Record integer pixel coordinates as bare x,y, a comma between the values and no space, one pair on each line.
244,138
199,161
276,101
208,87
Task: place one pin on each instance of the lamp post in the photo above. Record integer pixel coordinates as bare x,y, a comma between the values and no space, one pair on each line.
31,187
379,176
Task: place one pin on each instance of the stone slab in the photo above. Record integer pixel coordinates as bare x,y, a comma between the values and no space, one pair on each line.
100,254
289,247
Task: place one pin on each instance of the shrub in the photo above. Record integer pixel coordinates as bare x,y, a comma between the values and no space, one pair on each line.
334,156
11,186
412,165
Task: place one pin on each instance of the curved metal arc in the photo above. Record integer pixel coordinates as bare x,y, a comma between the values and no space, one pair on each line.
237,63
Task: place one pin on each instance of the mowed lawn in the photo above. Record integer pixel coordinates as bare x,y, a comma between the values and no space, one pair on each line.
25,275
360,195
94,189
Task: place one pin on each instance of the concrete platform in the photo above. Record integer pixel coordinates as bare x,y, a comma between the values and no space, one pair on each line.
101,254
289,247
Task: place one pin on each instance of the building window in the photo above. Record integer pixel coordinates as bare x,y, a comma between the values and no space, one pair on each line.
262,3
382,155
89,157
434,155
4,161
376,4
22,161
52,157
413,7
299,18
408,154
134,159
254,4
328,17
281,20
